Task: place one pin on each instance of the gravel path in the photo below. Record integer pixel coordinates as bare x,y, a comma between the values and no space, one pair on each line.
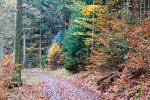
59,89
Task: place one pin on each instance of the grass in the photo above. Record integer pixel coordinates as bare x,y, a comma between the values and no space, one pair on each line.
60,73
26,79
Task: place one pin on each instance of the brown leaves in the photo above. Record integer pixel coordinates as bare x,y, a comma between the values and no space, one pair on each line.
139,42
7,71
34,92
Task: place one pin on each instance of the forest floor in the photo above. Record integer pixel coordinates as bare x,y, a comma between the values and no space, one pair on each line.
77,83
80,86
33,88
60,89
84,79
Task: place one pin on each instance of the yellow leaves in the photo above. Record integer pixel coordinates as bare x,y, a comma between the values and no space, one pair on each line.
101,23
55,55
91,7
83,23
54,49
87,41
36,36
79,33
88,10
102,40
86,13
30,48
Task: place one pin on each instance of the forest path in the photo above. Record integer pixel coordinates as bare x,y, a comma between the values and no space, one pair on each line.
59,89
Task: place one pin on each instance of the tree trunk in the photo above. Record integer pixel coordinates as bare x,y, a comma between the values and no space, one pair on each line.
123,4
40,49
144,9
93,28
127,4
24,42
14,31
1,50
24,49
18,44
140,12
148,7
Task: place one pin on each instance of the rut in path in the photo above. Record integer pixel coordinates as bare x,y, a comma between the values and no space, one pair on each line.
59,89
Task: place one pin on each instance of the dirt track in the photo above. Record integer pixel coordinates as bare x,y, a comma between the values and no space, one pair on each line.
59,89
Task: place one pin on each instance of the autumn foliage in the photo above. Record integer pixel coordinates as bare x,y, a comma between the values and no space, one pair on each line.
6,74
109,37
55,55
139,43
120,43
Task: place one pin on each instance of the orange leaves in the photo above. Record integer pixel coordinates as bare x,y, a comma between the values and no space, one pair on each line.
97,53
101,23
89,67
139,43
107,28
103,41
96,60
119,35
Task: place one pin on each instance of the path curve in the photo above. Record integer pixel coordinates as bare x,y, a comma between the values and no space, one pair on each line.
59,89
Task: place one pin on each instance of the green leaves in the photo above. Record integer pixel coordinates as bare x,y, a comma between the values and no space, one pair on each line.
72,49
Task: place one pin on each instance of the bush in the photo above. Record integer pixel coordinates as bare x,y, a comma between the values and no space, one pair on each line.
73,52
44,61
55,54
115,53
34,63
6,75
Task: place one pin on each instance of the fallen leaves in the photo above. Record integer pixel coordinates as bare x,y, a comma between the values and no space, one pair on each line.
33,92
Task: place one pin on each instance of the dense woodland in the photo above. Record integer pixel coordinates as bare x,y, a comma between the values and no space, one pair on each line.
80,36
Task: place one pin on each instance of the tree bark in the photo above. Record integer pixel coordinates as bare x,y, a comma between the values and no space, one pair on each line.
40,48
1,50
24,49
93,28
127,4
18,44
148,8
140,13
